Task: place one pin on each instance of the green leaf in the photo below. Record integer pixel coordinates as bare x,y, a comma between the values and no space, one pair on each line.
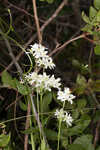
22,106
76,63
75,114
7,80
4,140
85,141
64,142
75,147
43,146
24,90
30,131
92,13
85,18
81,80
50,1
47,98
96,86
97,4
14,83
81,125
81,103
52,135
97,116
98,16
98,148
87,28
81,84
97,50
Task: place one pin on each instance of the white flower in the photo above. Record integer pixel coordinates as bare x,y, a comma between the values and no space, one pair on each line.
55,83
41,57
68,119
32,78
64,116
59,113
46,62
43,82
38,50
85,66
65,95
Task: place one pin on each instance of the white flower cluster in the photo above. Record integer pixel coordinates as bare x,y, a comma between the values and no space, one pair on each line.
64,116
40,54
43,82
61,114
65,95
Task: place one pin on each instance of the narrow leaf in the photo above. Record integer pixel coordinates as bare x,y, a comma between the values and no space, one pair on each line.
85,18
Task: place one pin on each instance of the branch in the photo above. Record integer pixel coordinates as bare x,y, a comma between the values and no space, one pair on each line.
54,15
41,29
65,44
96,138
38,121
11,53
37,21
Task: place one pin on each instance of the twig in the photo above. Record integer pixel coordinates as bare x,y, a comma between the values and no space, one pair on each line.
96,134
15,119
38,120
37,21
1,97
10,105
54,15
65,44
11,53
90,56
20,9
41,29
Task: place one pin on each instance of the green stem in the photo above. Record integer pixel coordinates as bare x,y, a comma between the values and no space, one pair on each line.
63,104
60,120
38,112
41,95
38,103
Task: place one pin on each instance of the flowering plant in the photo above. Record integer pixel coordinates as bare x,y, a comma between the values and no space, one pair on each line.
43,82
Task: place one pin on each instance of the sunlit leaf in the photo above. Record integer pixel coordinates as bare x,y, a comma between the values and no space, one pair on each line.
98,16
85,18
97,4
23,106
92,13
4,140
97,50
8,80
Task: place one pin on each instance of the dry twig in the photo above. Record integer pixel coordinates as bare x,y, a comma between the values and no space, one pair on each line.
41,29
54,15
96,138
37,21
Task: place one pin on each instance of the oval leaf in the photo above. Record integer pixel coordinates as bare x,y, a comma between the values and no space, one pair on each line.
97,50
97,4
4,140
